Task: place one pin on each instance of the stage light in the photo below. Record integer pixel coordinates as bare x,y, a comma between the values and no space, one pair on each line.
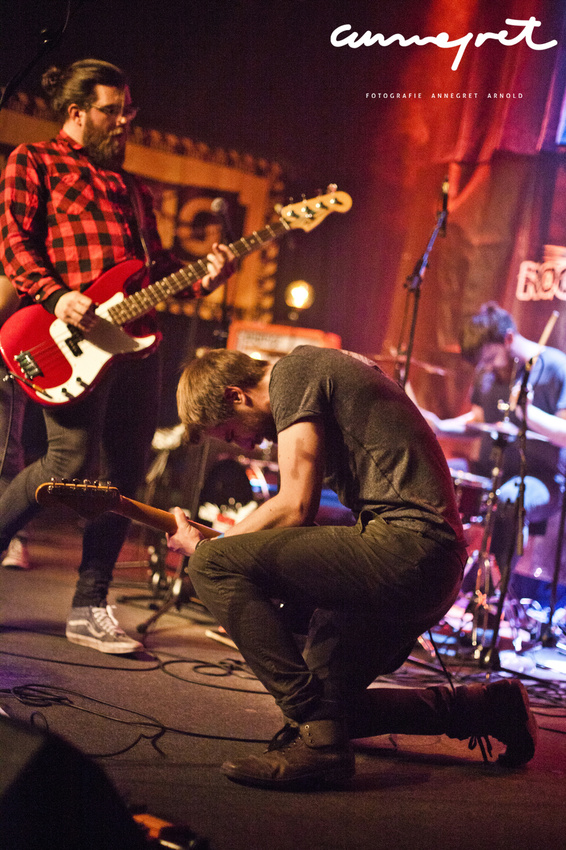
299,295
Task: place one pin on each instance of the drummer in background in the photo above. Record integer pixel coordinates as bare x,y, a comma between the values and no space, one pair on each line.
491,342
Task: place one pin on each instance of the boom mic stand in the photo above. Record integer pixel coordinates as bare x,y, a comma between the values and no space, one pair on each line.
413,285
49,40
219,207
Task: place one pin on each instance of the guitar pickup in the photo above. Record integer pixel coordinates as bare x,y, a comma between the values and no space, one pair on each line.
73,341
28,365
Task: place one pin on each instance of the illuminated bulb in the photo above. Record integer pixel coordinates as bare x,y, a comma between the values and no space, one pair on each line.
299,295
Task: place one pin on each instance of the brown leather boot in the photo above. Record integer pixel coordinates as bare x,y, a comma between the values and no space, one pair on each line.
500,710
299,755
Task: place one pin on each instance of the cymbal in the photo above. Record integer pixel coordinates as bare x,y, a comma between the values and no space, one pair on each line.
507,429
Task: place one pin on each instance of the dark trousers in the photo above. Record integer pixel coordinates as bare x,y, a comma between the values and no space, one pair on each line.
107,435
12,407
373,588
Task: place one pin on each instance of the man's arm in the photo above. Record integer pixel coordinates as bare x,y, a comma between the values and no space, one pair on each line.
549,425
301,470
8,298
75,308
22,240
221,265
456,426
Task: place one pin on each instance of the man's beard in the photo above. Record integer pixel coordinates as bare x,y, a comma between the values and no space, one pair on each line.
261,425
105,149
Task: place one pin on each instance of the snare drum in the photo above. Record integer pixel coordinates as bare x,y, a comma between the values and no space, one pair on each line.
471,494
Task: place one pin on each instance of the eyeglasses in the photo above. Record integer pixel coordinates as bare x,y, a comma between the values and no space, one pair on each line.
115,111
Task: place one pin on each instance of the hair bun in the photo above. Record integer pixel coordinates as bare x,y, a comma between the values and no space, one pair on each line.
51,80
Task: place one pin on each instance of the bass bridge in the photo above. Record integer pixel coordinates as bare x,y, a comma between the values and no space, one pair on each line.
28,365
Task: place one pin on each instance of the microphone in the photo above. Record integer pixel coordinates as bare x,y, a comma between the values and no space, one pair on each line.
445,187
220,208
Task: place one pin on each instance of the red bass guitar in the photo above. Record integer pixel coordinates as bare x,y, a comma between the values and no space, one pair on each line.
56,364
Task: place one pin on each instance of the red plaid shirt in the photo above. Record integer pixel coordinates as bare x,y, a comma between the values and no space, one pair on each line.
64,220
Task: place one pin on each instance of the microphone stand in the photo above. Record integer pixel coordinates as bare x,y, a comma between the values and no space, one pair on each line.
413,285
220,207
50,39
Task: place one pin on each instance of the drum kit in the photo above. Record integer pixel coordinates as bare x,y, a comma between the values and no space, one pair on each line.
485,583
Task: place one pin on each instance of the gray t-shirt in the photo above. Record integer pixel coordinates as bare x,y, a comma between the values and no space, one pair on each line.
380,453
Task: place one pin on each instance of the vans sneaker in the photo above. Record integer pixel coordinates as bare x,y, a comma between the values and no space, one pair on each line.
99,629
17,557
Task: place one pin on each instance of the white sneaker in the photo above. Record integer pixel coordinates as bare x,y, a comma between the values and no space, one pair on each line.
98,628
17,557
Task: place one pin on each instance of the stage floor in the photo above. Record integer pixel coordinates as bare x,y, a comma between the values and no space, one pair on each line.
161,722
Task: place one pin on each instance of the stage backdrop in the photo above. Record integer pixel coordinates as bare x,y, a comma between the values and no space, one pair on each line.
263,76
495,128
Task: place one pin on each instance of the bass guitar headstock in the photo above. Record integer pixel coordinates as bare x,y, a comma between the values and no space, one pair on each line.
307,214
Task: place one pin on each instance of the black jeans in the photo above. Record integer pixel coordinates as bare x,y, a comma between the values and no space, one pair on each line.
12,407
373,588
106,435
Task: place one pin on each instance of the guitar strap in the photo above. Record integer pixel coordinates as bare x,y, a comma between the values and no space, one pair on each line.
137,205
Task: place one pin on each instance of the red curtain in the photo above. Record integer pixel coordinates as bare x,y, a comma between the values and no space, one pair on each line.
506,176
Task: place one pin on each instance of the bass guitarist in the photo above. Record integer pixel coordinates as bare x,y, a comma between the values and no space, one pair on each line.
68,213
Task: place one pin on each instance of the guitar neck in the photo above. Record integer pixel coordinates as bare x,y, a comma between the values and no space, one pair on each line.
154,517
140,303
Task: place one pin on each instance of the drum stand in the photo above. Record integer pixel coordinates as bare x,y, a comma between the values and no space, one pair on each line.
490,656
548,639
175,597
483,559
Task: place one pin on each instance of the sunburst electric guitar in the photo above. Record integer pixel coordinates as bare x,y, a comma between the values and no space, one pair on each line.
56,364
90,500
